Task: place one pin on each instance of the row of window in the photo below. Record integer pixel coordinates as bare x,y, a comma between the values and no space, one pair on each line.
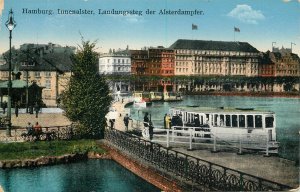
123,61
209,52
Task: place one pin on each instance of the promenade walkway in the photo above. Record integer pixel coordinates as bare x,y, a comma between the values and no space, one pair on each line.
272,168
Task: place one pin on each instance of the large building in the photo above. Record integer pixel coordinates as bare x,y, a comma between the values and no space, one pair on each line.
280,62
266,65
199,57
139,62
153,62
48,65
115,63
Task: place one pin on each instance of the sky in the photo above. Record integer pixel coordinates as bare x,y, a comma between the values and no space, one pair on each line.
260,22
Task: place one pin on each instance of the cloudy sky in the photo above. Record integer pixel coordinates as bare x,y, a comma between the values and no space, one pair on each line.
261,22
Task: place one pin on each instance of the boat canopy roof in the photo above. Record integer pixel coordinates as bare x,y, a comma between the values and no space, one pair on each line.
224,110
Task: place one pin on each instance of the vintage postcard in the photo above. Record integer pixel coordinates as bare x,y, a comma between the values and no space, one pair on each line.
204,93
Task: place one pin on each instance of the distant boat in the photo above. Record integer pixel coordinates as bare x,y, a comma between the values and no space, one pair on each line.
156,96
139,104
172,96
141,99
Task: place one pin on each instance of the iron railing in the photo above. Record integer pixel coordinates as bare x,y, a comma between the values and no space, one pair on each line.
53,133
196,170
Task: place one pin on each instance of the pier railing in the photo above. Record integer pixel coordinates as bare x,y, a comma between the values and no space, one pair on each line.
195,135
192,169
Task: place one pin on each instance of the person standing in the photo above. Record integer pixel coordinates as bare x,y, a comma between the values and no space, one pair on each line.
146,120
165,121
36,109
150,130
4,105
197,121
126,122
168,122
17,109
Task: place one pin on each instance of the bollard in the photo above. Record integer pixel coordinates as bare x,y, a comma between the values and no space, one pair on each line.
190,149
215,144
240,147
168,140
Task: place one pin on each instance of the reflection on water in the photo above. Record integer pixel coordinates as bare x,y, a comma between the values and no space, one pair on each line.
287,113
93,175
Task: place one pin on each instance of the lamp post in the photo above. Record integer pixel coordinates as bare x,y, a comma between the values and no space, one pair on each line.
10,24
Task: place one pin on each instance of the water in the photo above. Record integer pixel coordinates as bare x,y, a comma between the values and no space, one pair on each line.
92,175
287,115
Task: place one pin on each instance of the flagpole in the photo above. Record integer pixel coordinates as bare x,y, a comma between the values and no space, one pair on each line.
233,35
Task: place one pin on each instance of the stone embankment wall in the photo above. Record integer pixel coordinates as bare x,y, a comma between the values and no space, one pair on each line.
143,170
41,161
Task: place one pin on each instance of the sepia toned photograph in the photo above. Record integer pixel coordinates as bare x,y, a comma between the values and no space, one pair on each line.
149,95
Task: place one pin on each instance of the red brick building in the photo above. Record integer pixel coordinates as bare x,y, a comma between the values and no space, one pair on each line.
152,62
279,64
266,68
139,60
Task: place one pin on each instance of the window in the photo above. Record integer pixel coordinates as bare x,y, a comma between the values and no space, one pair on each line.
221,120
37,74
48,84
234,122
250,120
215,120
269,122
47,74
227,120
258,121
241,121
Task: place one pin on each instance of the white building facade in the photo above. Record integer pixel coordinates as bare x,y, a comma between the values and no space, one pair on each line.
199,57
118,63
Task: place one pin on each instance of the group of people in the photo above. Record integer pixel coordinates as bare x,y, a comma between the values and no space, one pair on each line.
176,120
36,108
34,130
125,120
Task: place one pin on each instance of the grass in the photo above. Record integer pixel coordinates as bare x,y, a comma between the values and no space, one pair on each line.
32,150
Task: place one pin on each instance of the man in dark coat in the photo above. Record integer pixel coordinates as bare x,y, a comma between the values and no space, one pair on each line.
36,109
17,109
126,122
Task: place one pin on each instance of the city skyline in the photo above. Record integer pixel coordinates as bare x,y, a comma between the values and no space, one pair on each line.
259,23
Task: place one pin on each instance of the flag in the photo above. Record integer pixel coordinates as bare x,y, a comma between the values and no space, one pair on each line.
236,29
194,27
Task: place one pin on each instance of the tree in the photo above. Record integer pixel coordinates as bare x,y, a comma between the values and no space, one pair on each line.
86,100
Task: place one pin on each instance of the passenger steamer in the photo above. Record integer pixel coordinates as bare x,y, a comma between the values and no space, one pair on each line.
255,128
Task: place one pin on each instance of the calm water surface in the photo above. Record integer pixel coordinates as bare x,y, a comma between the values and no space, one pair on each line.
287,113
92,175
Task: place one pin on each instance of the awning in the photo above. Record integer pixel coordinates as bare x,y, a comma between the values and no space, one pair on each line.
17,84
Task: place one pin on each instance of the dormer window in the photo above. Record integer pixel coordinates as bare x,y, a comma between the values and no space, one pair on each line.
25,64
